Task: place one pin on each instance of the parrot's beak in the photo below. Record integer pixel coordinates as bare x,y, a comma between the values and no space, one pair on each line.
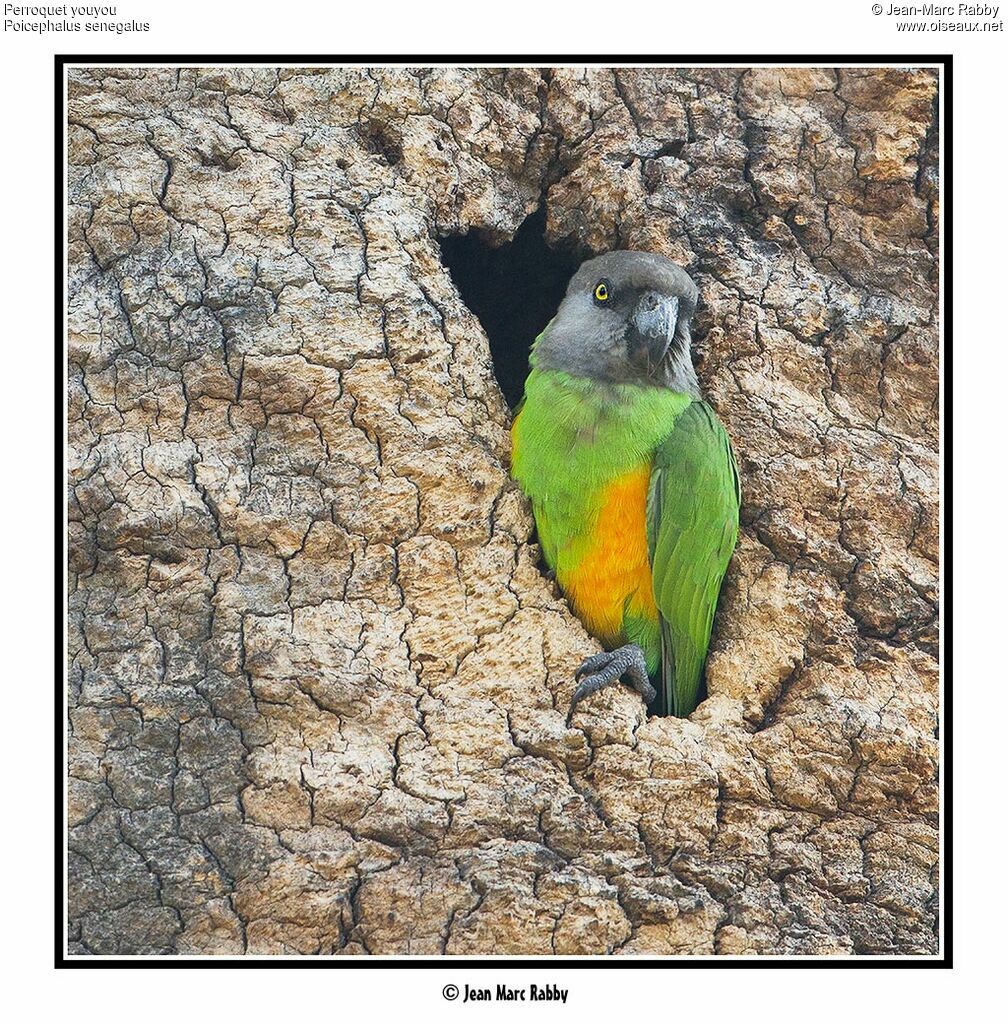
652,328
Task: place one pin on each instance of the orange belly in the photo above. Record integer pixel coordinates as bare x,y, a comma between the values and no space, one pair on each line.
613,578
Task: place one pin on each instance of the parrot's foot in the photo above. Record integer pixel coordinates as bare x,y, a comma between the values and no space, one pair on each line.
608,667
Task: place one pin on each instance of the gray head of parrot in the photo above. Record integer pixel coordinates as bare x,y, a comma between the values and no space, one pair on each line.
625,319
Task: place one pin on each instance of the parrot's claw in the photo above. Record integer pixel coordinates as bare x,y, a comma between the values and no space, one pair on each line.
609,667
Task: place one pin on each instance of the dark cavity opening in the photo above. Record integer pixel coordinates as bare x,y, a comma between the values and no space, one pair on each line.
514,289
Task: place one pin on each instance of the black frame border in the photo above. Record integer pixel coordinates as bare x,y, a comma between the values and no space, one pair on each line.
61,959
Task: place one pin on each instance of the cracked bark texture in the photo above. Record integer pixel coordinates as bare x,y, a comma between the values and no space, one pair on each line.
318,688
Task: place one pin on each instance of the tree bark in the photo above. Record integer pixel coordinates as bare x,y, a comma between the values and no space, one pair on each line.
319,687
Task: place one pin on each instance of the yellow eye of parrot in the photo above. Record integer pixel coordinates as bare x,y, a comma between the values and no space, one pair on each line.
601,292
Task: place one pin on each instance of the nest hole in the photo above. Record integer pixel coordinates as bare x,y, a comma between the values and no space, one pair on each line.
514,290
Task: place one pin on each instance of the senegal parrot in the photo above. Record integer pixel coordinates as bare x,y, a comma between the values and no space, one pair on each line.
631,475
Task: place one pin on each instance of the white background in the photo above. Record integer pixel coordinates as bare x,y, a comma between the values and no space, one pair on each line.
27,519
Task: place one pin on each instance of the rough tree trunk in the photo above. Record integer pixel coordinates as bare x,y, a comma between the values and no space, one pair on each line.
319,686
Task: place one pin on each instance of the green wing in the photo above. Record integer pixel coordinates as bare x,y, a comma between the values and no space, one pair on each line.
692,527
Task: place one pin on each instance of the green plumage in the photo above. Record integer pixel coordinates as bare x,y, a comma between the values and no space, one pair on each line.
572,437
692,528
